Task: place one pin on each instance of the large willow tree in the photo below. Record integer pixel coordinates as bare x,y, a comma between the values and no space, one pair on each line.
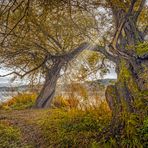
41,37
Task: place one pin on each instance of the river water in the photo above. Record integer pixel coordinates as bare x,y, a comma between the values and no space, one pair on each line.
93,89
9,89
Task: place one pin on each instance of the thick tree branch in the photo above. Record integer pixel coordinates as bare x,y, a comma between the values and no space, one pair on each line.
77,50
87,46
131,7
103,50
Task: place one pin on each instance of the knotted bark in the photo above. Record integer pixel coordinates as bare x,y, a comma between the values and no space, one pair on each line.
132,66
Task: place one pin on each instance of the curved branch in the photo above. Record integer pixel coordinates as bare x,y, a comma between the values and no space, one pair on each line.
88,46
28,72
109,56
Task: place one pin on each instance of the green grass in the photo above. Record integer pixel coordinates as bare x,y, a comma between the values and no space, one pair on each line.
74,127
64,126
9,136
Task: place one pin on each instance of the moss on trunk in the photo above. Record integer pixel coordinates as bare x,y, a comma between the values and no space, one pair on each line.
131,88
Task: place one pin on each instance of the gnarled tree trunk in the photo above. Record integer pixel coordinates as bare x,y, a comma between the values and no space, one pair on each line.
47,93
130,88
132,66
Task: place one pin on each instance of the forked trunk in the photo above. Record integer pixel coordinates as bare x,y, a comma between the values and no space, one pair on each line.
131,89
47,93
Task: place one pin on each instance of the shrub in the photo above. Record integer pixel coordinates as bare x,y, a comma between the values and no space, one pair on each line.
143,132
134,133
21,101
60,102
74,127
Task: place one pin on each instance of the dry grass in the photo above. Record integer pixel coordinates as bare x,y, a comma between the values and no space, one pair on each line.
70,123
21,101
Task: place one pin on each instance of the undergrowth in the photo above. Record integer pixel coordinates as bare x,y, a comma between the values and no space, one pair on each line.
81,128
74,127
9,136
19,102
68,125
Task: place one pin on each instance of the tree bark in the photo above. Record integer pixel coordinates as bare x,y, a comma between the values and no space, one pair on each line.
132,67
131,87
47,93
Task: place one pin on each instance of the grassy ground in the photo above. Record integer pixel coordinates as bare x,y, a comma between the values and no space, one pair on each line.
67,126
24,126
50,128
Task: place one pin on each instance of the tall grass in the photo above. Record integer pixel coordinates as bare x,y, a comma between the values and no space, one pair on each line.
21,101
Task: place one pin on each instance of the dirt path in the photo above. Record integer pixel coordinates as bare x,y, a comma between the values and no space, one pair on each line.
26,121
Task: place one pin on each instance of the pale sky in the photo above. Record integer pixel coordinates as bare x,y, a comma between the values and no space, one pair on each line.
6,81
